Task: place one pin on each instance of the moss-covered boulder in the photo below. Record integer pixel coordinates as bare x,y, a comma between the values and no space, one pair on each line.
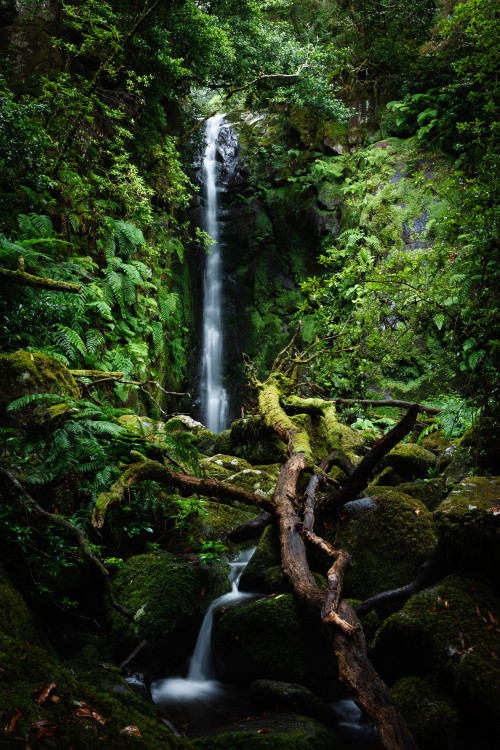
427,492
136,425
23,373
271,639
388,536
162,590
431,717
84,712
468,520
264,566
268,695
256,443
449,631
410,461
272,731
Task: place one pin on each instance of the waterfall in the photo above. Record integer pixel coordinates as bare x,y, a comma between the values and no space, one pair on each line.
201,680
213,394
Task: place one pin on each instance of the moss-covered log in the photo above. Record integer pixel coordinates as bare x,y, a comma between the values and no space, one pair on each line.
146,469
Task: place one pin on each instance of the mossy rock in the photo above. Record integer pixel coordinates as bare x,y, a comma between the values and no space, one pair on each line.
232,464
388,537
273,731
184,423
136,425
160,589
271,639
266,558
344,438
24,373
205,442
254,480
256,443
432,718
388,477
28,668
268,695
448,631
411,461
436,442
468,520
223,442
483,442
429,492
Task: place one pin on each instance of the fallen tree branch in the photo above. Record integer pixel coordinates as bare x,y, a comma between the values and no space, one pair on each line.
38,282
387,402
424,577
146,469
358,480
80,536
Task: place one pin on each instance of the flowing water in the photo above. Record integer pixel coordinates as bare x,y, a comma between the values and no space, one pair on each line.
214,399
200,695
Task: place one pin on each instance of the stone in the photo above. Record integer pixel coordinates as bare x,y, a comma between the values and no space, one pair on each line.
410,461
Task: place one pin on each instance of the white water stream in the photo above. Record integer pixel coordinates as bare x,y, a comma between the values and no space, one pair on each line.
213,394
201,679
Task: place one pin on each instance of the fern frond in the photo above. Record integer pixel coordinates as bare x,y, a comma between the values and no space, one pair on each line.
70,341
158,337
94,341
31,398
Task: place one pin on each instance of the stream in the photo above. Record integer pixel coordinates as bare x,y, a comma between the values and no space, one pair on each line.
199,699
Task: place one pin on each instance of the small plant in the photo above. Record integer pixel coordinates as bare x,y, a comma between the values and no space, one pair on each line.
211,552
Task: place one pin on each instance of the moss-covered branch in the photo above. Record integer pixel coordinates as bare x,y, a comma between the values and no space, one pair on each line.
39,282
146,469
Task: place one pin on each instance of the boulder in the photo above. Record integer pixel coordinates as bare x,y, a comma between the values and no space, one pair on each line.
164,591
410,461
272,731
256,443
389,536
272,639
431,717
265,566
268,695
448,632
468,520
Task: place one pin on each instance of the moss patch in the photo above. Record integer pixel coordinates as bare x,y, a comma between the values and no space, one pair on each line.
432,718
160,588
410,461
469,522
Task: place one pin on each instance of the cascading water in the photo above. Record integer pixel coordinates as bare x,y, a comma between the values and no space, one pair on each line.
201,679
213,394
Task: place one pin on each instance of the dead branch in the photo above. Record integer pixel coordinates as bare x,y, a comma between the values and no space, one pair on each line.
250,530
387,402
358,480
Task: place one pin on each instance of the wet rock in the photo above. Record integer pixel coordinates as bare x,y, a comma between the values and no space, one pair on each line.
272,639
268,695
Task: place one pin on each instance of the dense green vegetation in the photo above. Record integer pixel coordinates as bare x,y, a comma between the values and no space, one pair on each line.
370,211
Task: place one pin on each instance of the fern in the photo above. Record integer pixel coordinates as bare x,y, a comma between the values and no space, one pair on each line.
168,302
35,225
70,341
32,398
94,341
158,337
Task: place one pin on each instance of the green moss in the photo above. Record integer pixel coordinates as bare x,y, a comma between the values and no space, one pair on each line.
254,480
270,639
431,718
256,443
466,521
274,732
159,588
266,559
32,372
447,631
15,618
287,696
411,461
388,543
